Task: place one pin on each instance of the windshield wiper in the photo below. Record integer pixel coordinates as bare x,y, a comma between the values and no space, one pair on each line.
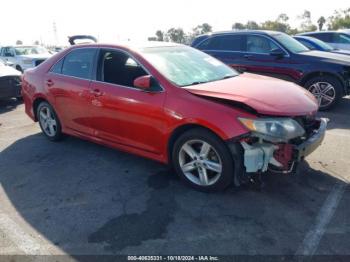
228,76
196,83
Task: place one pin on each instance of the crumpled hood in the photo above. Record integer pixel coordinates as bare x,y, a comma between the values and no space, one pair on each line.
8,71
266,95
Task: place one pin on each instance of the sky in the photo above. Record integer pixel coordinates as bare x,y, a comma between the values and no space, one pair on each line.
113,20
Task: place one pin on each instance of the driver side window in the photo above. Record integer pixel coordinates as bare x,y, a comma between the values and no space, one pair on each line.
260,45
8,52
342,39
118,68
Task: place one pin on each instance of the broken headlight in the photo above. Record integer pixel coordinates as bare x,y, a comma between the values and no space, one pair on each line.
274,129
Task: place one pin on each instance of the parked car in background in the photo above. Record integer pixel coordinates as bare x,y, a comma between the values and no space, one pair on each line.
10,82
316,44
24,57
276,54
337,39
175,104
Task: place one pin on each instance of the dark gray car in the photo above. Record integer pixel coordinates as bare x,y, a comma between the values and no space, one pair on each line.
10,81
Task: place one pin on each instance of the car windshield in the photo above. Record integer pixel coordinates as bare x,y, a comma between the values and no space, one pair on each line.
186,66
290,43
30,50
323,45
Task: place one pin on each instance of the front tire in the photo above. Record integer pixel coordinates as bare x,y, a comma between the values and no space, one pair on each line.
327,90
203,161
49,123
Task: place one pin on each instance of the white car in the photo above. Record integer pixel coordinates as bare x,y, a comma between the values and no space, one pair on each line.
337,39
10,82
24,57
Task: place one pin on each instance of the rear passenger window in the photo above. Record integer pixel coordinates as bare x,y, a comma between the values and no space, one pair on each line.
223,43
57,68
79,63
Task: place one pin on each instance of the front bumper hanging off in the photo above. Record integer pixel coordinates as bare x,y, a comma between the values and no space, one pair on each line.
258,157
313,142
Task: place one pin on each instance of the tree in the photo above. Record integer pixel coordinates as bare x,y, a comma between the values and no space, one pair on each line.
202,29
321,21
160,35
306,23
282,18
19,42
176,35
275,26
340,19
280,24
36,42
252,25
238,26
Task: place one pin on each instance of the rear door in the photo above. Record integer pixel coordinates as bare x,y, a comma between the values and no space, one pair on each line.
227,48
69,83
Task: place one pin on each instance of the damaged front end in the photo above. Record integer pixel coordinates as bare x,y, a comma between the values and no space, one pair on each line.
278,144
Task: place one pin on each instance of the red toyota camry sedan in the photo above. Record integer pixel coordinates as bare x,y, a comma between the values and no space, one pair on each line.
176,105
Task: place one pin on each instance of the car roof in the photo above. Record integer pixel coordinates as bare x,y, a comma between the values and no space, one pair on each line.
262,32
304,37
21,46
130,45
320,32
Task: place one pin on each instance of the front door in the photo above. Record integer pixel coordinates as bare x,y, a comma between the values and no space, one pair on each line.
8,55
263,56
122,113
341,41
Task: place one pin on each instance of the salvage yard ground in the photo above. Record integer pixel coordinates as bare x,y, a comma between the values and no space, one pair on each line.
76,197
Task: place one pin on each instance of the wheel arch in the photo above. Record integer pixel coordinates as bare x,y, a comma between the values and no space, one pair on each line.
311,75
178,131
36,103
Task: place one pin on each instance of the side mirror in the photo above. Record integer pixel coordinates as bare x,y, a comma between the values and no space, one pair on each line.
143,82
278,53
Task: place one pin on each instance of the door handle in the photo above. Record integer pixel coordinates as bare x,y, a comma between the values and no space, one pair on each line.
49,82
247,56
96,92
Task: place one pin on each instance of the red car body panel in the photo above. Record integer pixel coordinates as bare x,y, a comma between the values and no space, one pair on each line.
143,122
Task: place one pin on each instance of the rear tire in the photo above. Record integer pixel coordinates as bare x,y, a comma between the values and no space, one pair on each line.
49,122
327,90
203,161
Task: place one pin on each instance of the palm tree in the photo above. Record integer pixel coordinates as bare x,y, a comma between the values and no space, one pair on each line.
321,21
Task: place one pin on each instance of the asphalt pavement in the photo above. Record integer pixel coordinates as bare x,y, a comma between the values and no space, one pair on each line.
75,197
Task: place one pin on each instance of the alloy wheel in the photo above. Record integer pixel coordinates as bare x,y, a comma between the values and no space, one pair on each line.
48,121
324,92
200,162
